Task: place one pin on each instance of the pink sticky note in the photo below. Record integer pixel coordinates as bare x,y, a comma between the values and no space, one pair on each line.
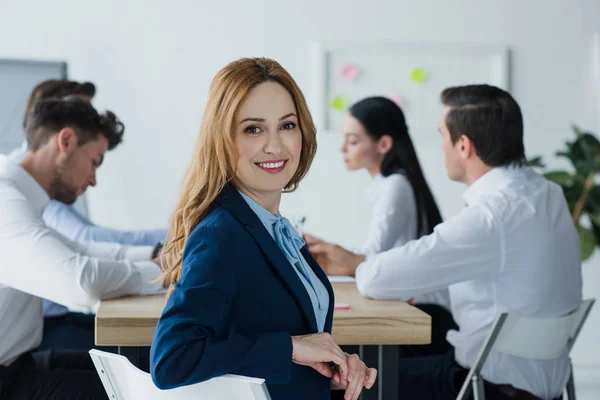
341,306
350,72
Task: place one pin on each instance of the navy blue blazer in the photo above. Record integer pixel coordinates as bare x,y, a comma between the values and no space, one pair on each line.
235,308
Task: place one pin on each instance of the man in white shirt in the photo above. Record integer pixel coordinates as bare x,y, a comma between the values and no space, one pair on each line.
63,217
64,329
67,141
513,248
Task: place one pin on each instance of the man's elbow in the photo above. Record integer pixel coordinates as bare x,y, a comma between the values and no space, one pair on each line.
92,292
376,289
368,288
78,297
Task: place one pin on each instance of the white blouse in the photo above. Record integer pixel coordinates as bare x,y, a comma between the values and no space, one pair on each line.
394,223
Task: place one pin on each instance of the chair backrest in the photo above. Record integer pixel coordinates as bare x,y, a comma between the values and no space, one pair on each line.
123,381
520,336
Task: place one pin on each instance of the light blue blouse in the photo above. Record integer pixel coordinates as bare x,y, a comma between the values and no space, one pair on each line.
290,243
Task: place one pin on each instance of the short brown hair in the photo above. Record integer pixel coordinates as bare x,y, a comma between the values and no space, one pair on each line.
491,118
57,88
49,116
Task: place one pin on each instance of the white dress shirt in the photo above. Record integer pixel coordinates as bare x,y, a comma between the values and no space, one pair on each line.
513,249
393,223
38,263
67,221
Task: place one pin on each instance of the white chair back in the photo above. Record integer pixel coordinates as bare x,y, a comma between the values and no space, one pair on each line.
123,381
516,338
519,336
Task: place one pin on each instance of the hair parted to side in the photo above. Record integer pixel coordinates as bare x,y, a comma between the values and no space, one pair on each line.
491,118
215,155
57,88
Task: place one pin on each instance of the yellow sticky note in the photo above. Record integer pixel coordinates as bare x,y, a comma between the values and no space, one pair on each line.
419,75
339,103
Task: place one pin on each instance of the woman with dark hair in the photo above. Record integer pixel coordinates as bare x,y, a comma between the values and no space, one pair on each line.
402,206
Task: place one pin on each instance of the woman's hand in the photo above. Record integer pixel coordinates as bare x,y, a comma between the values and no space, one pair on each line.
359,376
333,259
317,351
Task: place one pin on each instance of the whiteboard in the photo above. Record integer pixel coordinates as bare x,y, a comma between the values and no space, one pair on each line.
385,69
17,79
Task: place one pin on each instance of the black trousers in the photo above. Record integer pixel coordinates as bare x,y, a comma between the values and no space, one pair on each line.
51,375
441,323
436,378
72,331
75,331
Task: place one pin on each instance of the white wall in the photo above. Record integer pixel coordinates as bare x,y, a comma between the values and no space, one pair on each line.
153,62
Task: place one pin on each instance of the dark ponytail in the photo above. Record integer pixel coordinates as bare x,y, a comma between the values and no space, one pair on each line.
381,116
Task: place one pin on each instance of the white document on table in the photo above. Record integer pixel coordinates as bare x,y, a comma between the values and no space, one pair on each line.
341,279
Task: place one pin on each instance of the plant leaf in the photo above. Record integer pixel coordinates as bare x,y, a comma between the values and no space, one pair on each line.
537,162
593,201
584,154
572,185
563,178
587,241
595,217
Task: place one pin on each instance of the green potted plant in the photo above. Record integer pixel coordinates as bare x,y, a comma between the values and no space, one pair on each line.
580,186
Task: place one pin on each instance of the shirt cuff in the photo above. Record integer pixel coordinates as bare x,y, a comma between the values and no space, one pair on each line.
149,273
138,253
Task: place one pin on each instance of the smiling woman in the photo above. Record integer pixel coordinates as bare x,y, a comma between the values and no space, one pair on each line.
246,296
269,146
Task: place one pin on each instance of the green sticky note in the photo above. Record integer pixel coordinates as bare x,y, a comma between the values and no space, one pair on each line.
339,103
418,75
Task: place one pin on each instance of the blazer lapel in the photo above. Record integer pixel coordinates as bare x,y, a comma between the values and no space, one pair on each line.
323,278
286,272
233,201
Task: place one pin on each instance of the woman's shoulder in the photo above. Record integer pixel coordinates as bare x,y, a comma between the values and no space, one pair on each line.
218,225
396,185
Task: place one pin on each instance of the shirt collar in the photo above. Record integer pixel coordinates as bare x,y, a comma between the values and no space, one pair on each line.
265,216
25,183
495,179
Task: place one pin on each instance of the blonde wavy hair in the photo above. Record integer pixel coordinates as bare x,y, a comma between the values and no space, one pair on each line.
215,154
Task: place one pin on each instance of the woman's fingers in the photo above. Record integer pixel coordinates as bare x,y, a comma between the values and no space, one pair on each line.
339,358
371,378
352,388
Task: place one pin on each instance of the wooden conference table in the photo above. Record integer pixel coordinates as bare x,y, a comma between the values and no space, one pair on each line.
375,327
